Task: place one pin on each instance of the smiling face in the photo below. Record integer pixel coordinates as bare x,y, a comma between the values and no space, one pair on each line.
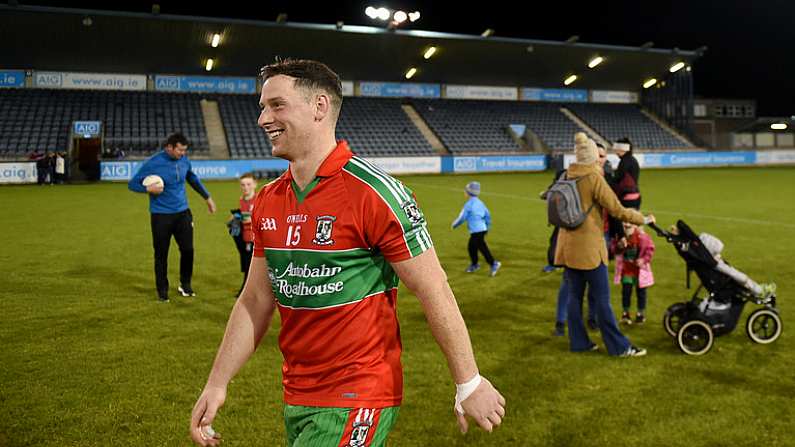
248,185
288,115
176,151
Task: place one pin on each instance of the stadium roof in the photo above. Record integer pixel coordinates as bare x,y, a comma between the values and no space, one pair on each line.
47,38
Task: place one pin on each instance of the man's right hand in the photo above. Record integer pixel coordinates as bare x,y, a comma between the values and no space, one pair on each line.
485,405
211,399
155,188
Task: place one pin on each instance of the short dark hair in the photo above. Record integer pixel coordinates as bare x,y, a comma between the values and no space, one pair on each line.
309,75
177,138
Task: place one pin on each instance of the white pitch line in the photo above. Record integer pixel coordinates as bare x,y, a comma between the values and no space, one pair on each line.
672,213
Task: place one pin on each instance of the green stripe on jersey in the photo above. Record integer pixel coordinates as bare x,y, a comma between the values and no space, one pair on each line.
399,199
317,279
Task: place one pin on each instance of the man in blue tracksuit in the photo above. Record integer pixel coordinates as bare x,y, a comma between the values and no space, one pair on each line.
478,220
169,210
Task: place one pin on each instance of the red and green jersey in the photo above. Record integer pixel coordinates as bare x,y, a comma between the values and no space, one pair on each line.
247,206
329,249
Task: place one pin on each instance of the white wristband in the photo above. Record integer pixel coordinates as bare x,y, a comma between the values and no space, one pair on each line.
646,220
464,390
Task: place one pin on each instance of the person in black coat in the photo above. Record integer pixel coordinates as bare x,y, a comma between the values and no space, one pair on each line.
627,176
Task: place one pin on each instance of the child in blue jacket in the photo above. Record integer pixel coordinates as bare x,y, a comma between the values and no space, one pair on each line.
478,220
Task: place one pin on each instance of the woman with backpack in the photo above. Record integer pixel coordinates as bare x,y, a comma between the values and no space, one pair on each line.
581,249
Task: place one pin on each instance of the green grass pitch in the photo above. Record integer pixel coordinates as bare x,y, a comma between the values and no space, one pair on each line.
89,358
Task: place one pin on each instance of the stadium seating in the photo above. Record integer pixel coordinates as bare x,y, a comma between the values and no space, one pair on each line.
380,127
614,121
372,127
135,122
478,126
239,114
138,122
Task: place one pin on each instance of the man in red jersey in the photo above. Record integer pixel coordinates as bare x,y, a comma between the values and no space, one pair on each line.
332,236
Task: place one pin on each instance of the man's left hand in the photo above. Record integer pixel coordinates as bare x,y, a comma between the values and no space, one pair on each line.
211,205
485,405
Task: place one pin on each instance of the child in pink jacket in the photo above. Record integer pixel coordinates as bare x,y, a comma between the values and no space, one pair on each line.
633,269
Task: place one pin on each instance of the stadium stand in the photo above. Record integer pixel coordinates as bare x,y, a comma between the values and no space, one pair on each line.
135,122
244,138
138,122
380,127
477,126
373,127
614,121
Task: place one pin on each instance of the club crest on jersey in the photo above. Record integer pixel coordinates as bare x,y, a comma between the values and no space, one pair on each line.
413,212
325,225
361,427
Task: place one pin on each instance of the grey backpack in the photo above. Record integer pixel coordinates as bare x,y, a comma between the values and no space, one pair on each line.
564,207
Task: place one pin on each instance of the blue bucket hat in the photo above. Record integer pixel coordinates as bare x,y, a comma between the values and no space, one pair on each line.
473,188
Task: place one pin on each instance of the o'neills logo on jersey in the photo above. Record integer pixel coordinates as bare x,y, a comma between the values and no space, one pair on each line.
325,224
297,218
282,285
267,224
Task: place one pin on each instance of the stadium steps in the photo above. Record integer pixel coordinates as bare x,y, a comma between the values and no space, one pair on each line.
535,143
216,136
585,128
665,126
518,139
424,129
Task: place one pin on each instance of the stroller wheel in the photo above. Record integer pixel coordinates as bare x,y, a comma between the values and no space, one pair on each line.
695,337
672,320
763,326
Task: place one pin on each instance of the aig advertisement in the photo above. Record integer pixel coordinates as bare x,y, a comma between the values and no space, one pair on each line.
496,163
86,81
205,169
205,84
22,172
12,78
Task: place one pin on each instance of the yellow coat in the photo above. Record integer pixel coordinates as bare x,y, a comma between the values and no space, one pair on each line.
583,248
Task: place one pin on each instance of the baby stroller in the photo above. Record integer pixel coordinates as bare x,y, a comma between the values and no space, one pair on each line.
696,323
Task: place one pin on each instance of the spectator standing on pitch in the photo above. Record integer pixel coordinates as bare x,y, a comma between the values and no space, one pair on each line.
41,165
583,251
51,168
332,236
241,220
626,179
561,310
170,215
478,220
60,168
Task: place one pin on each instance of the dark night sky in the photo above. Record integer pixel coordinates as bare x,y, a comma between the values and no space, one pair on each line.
750,42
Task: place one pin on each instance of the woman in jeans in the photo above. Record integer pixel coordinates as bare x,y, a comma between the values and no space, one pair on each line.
583,253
